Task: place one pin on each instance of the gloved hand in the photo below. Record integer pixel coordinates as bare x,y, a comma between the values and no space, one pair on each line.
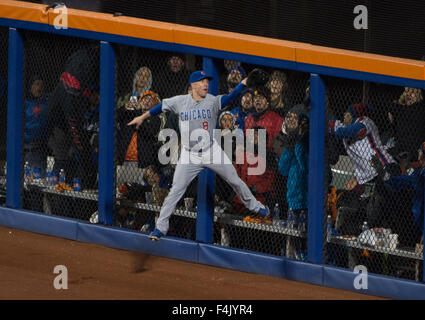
257,78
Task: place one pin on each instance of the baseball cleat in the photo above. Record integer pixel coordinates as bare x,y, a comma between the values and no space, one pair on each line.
264,211
156,235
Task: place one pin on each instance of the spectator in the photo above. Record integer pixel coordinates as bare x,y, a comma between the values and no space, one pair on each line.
408,118
293,164
160,180
67,106
141,83
234,77
227,65
227,127
35,133
361,141
174,78
137,149
261,185
414,182
242,111
86,168
263,116
226,121
278,85
91,129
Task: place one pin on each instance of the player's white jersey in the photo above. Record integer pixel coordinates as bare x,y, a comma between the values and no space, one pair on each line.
195,117
360,149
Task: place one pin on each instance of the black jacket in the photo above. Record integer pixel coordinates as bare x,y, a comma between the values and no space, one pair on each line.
147,137
409,123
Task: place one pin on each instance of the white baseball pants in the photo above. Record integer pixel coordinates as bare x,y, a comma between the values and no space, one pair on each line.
189,166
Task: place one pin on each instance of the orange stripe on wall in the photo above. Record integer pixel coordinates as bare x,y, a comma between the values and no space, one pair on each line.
25,11
219,40
361,61
235,42
123,26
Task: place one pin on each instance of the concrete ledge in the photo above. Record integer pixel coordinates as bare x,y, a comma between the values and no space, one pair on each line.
39,223
241,260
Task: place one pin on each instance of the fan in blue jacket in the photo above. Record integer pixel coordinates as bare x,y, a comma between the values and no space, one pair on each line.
414,181
35,133
293,162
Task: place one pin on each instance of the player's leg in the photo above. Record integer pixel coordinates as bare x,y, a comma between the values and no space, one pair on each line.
183,176
228,173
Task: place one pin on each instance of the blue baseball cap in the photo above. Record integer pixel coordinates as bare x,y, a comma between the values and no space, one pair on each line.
198,76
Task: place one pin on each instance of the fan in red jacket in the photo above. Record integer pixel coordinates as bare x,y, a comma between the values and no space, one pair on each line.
261,185
263,116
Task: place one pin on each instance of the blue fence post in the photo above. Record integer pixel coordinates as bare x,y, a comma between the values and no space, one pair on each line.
316,170
14,120
106,133
206,179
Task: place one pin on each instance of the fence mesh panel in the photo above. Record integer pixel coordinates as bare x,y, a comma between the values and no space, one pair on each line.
4,39
144,77
372,212
235,226
61,114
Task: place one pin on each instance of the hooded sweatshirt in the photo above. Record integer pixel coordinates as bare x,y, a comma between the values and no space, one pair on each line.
123,100
81,71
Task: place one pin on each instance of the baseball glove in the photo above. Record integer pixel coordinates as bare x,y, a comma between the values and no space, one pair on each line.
257,78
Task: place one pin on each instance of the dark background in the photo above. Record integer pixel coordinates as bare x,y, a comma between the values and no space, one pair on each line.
395,28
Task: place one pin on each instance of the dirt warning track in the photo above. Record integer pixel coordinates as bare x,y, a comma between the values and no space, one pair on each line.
27,262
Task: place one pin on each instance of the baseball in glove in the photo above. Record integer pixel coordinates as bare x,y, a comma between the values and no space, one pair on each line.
257,78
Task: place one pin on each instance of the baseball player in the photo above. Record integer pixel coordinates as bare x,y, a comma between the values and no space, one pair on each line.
198,113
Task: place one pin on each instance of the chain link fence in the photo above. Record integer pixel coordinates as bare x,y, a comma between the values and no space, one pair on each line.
373,214
374,153
4,39
60,124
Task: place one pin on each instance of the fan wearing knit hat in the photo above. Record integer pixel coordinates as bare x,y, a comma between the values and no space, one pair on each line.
263,116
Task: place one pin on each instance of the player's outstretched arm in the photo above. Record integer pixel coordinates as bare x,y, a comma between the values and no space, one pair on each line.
139,120
228,98
152,112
